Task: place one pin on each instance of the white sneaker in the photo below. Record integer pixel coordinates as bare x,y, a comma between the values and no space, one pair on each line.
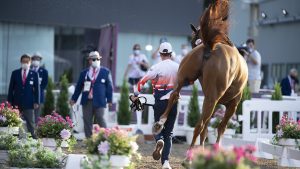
166,165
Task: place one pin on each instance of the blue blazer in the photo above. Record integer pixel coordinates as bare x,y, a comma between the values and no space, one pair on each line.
43,81
286,88
102,88
23,96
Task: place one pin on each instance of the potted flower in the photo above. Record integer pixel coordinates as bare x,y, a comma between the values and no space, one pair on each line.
55,131
288,132
232,124
7,141
115,144
216,158
10,120
193,116
29,153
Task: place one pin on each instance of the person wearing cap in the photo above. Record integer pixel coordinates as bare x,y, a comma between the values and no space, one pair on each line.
137,65
23,92
43,82
163,76
95,85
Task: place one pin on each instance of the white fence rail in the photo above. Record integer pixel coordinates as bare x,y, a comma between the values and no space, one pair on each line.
262,111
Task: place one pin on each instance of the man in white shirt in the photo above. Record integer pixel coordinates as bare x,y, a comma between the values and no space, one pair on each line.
253,59
163,76
137,65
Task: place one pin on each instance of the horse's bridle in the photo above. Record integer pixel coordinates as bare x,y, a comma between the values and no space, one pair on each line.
136,104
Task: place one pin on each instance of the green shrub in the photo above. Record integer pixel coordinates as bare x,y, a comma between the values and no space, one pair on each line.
49,100
124,114
276,95
62,106
29,153
193,111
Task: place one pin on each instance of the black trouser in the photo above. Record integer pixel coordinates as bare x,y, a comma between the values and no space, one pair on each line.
167,132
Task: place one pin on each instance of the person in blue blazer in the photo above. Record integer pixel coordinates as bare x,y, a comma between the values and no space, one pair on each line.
289,83
24,92
95,85
43,82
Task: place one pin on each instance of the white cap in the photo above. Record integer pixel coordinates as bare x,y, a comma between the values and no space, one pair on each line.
37,55
94,54
165,47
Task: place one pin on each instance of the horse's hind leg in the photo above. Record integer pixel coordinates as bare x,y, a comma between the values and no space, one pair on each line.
208,107
203,134
230,110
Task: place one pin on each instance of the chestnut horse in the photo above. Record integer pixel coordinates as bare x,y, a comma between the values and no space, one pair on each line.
219,67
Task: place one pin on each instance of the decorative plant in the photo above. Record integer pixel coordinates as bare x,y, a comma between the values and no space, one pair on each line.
216,158
124,114
194,111
287,129
9,116
219,115
62,105
113,141
49,99
55,126
7,141
277,95
30,153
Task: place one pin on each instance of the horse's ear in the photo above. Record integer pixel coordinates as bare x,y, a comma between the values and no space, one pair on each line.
193,28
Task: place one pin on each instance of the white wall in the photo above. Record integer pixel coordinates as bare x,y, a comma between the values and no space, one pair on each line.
17,39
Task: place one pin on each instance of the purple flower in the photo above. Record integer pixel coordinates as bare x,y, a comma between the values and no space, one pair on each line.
103,147
3,118
65,134
279,133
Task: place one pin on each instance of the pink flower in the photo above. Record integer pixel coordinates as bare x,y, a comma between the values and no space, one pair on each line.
65,134
239,152
96,129
189,154
216,147
103,148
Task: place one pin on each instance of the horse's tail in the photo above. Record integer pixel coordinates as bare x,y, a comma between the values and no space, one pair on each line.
214,24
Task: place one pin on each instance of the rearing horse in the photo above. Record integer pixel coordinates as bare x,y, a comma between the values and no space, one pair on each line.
219,67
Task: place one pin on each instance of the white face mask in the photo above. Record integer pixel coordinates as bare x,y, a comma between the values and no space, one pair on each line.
36,63
25,66
96,64
136,52
184,51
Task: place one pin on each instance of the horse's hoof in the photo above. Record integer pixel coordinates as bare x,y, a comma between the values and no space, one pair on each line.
157,128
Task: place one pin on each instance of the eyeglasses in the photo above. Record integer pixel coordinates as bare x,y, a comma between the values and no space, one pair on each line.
95,60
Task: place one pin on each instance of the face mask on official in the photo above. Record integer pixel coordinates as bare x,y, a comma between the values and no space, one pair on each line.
136,52
25,66
184,51
96,63
36,63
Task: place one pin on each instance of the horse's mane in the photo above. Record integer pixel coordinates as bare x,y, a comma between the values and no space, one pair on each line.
214,24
